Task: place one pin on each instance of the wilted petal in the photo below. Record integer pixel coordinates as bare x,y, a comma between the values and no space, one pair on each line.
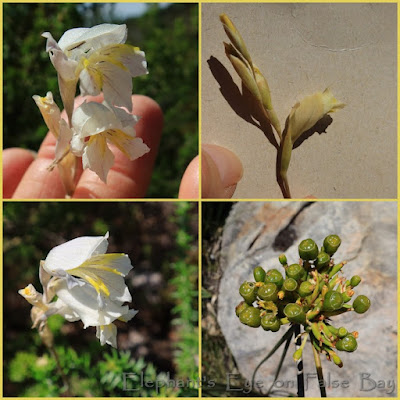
75,252
306,113
62,145
107,335
50,112
33,297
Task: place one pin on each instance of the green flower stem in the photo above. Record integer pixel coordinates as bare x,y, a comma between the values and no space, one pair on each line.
285,337
283,356
336,269
64,378
321,382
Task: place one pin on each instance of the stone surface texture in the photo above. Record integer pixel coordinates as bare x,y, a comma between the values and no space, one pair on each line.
256,233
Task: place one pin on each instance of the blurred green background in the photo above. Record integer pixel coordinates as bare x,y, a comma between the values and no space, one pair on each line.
169,37
161,341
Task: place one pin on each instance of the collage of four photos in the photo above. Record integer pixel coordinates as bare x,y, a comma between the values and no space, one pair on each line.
200,200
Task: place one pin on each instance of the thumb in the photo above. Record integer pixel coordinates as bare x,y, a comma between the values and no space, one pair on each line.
221,171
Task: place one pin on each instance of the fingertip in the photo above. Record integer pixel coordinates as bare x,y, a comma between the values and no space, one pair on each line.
189,187
221,171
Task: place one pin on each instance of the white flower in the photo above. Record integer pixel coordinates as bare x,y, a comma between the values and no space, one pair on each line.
99,58
84,258
94,126
89,286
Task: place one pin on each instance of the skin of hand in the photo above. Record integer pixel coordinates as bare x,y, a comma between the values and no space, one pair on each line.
221,172
26,176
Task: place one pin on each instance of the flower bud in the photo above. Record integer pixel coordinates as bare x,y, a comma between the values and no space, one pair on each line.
348,343
259,274
283,259
308,250
248,291
295,313
342,332
268,292
235,36
274,276
333,301
355,281
250,317
331,244
361,304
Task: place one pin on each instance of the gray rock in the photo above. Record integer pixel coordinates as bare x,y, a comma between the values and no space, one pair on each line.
256,233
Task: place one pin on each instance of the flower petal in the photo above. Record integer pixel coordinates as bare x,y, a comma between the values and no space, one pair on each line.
107,334
98,157
106,272
92,39
117,85
83,300
75,252
93,118
133,148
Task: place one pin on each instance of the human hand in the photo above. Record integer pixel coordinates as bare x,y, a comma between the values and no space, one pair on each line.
26,176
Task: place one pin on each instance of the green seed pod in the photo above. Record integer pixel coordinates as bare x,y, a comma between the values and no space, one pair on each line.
251,317
270,323
274,276
348,343
268,292
305,289
308,250
248,291
322,260
331,244
283,259
354,281
295,271
295,313
342,332
361,304
259,274
241,307
333,301
290,285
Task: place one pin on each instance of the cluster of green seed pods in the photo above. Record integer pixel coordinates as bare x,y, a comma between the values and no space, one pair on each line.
310,294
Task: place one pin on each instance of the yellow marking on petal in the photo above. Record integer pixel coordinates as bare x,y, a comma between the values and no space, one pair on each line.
27,291
87,270
91,278
118,138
